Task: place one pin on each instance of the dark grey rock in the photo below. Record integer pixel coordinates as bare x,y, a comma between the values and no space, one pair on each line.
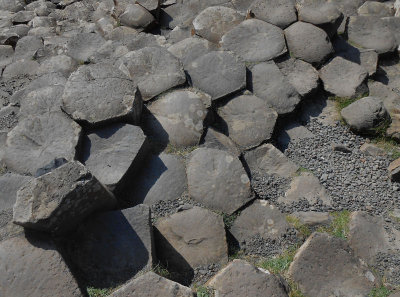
136,16
217,140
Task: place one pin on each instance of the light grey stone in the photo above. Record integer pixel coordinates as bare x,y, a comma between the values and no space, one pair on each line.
190,49
372,150
376,8
21,68
136,16
6,55
280,13
23,16
82,46
61,63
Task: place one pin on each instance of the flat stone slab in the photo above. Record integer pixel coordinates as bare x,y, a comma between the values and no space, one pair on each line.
213,22
218,180
280,13
58,201
114,153
33,267
112,247
271,85
326,266
344,78
249,120
41,101
261,219
136,16
82,46
178,117
308,42
218,74
217,140
153,69
190,48
240,278
151,285
37,140
255,41
100,93
191,238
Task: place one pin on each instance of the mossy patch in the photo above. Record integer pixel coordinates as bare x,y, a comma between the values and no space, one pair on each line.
96,292
279,264
379,292
183,152
342,102
303,230
302,170
339,227
390,146
202,291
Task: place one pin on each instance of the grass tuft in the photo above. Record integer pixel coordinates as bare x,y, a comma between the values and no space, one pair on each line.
342,102
339,227
202,291
161,271
96,292
294,290
279,264
303,230
379,292
301,170
389,145
229,219
171,149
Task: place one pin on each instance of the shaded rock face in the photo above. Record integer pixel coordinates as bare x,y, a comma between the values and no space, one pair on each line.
326,266
218,180
240,278
191,238
58,201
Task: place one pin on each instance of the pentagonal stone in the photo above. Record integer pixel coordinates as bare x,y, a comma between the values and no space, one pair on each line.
153,69
191,238
112,247
218,180
37,140
136,16
6,55
58,201
344,78
162,179
98,93
268,159
213,22
81,46
254,41
33,267
270,85
371,32
23,16
365,114
190,48
217,140
249,120
240,278
260,219
281,13
151,284
41,101
326,266
308,42
218,74
178,118
376,8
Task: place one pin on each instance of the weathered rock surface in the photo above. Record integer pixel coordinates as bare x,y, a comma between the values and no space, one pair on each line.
240,278
191,238
394,170
372,150
112,247
344,78
136,16
218,180
270,84
58,201
33,267
217,74
280,13
313,218
153,69
326,266
217,140
190,48
255,41
152,285
375,8
100,93
249,120
114,153
82,46
178,117
365,114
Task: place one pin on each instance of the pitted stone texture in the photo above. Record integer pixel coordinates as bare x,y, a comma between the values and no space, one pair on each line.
82,46
326,266
280,13
213,22
153,69
249,120
58,201
100,93
261,219
114,153
268,159
152,285
37,140
178,117
308,42
218,74
240,278
191,238
270,84
190,48
33,267
343,78
61,63
218,180
371,32
255,41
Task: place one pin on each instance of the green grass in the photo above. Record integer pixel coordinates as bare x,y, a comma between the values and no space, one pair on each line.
95,292
229,219
379,292
301,228
390,146
279,264
301,170
294,290
202,291
339,227
161,270
380,130
171,149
